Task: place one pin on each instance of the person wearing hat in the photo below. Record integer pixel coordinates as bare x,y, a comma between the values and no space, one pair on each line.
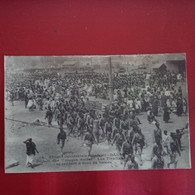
125,124
30,152
89,140
102,124
138,143
80,124
119,138
116,125
126,150
96,127
157,133
108,130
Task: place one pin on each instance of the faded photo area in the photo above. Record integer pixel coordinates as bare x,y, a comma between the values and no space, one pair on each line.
84,113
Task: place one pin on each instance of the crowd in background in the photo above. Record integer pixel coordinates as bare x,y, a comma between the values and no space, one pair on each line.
66,100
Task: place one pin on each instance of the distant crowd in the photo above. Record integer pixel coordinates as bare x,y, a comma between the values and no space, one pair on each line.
66,101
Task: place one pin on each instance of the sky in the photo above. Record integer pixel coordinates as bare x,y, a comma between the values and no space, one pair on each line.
27,62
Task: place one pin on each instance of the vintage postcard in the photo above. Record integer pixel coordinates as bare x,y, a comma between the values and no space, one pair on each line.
88,113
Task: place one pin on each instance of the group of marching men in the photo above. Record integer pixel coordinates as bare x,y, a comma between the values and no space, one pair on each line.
119,123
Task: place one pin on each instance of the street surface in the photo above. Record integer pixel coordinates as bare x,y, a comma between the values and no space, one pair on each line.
104,156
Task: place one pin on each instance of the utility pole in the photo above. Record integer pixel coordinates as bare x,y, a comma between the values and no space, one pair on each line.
110,81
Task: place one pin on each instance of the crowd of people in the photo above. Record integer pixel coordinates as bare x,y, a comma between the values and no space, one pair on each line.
66,100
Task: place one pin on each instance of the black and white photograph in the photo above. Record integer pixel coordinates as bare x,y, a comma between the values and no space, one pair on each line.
90,113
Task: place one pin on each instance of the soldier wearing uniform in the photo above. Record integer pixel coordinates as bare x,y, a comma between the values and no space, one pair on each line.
158,162
127,149
96,129
88,142
108,130
158,136
102,125
119,139
175,150
81,125
138,142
